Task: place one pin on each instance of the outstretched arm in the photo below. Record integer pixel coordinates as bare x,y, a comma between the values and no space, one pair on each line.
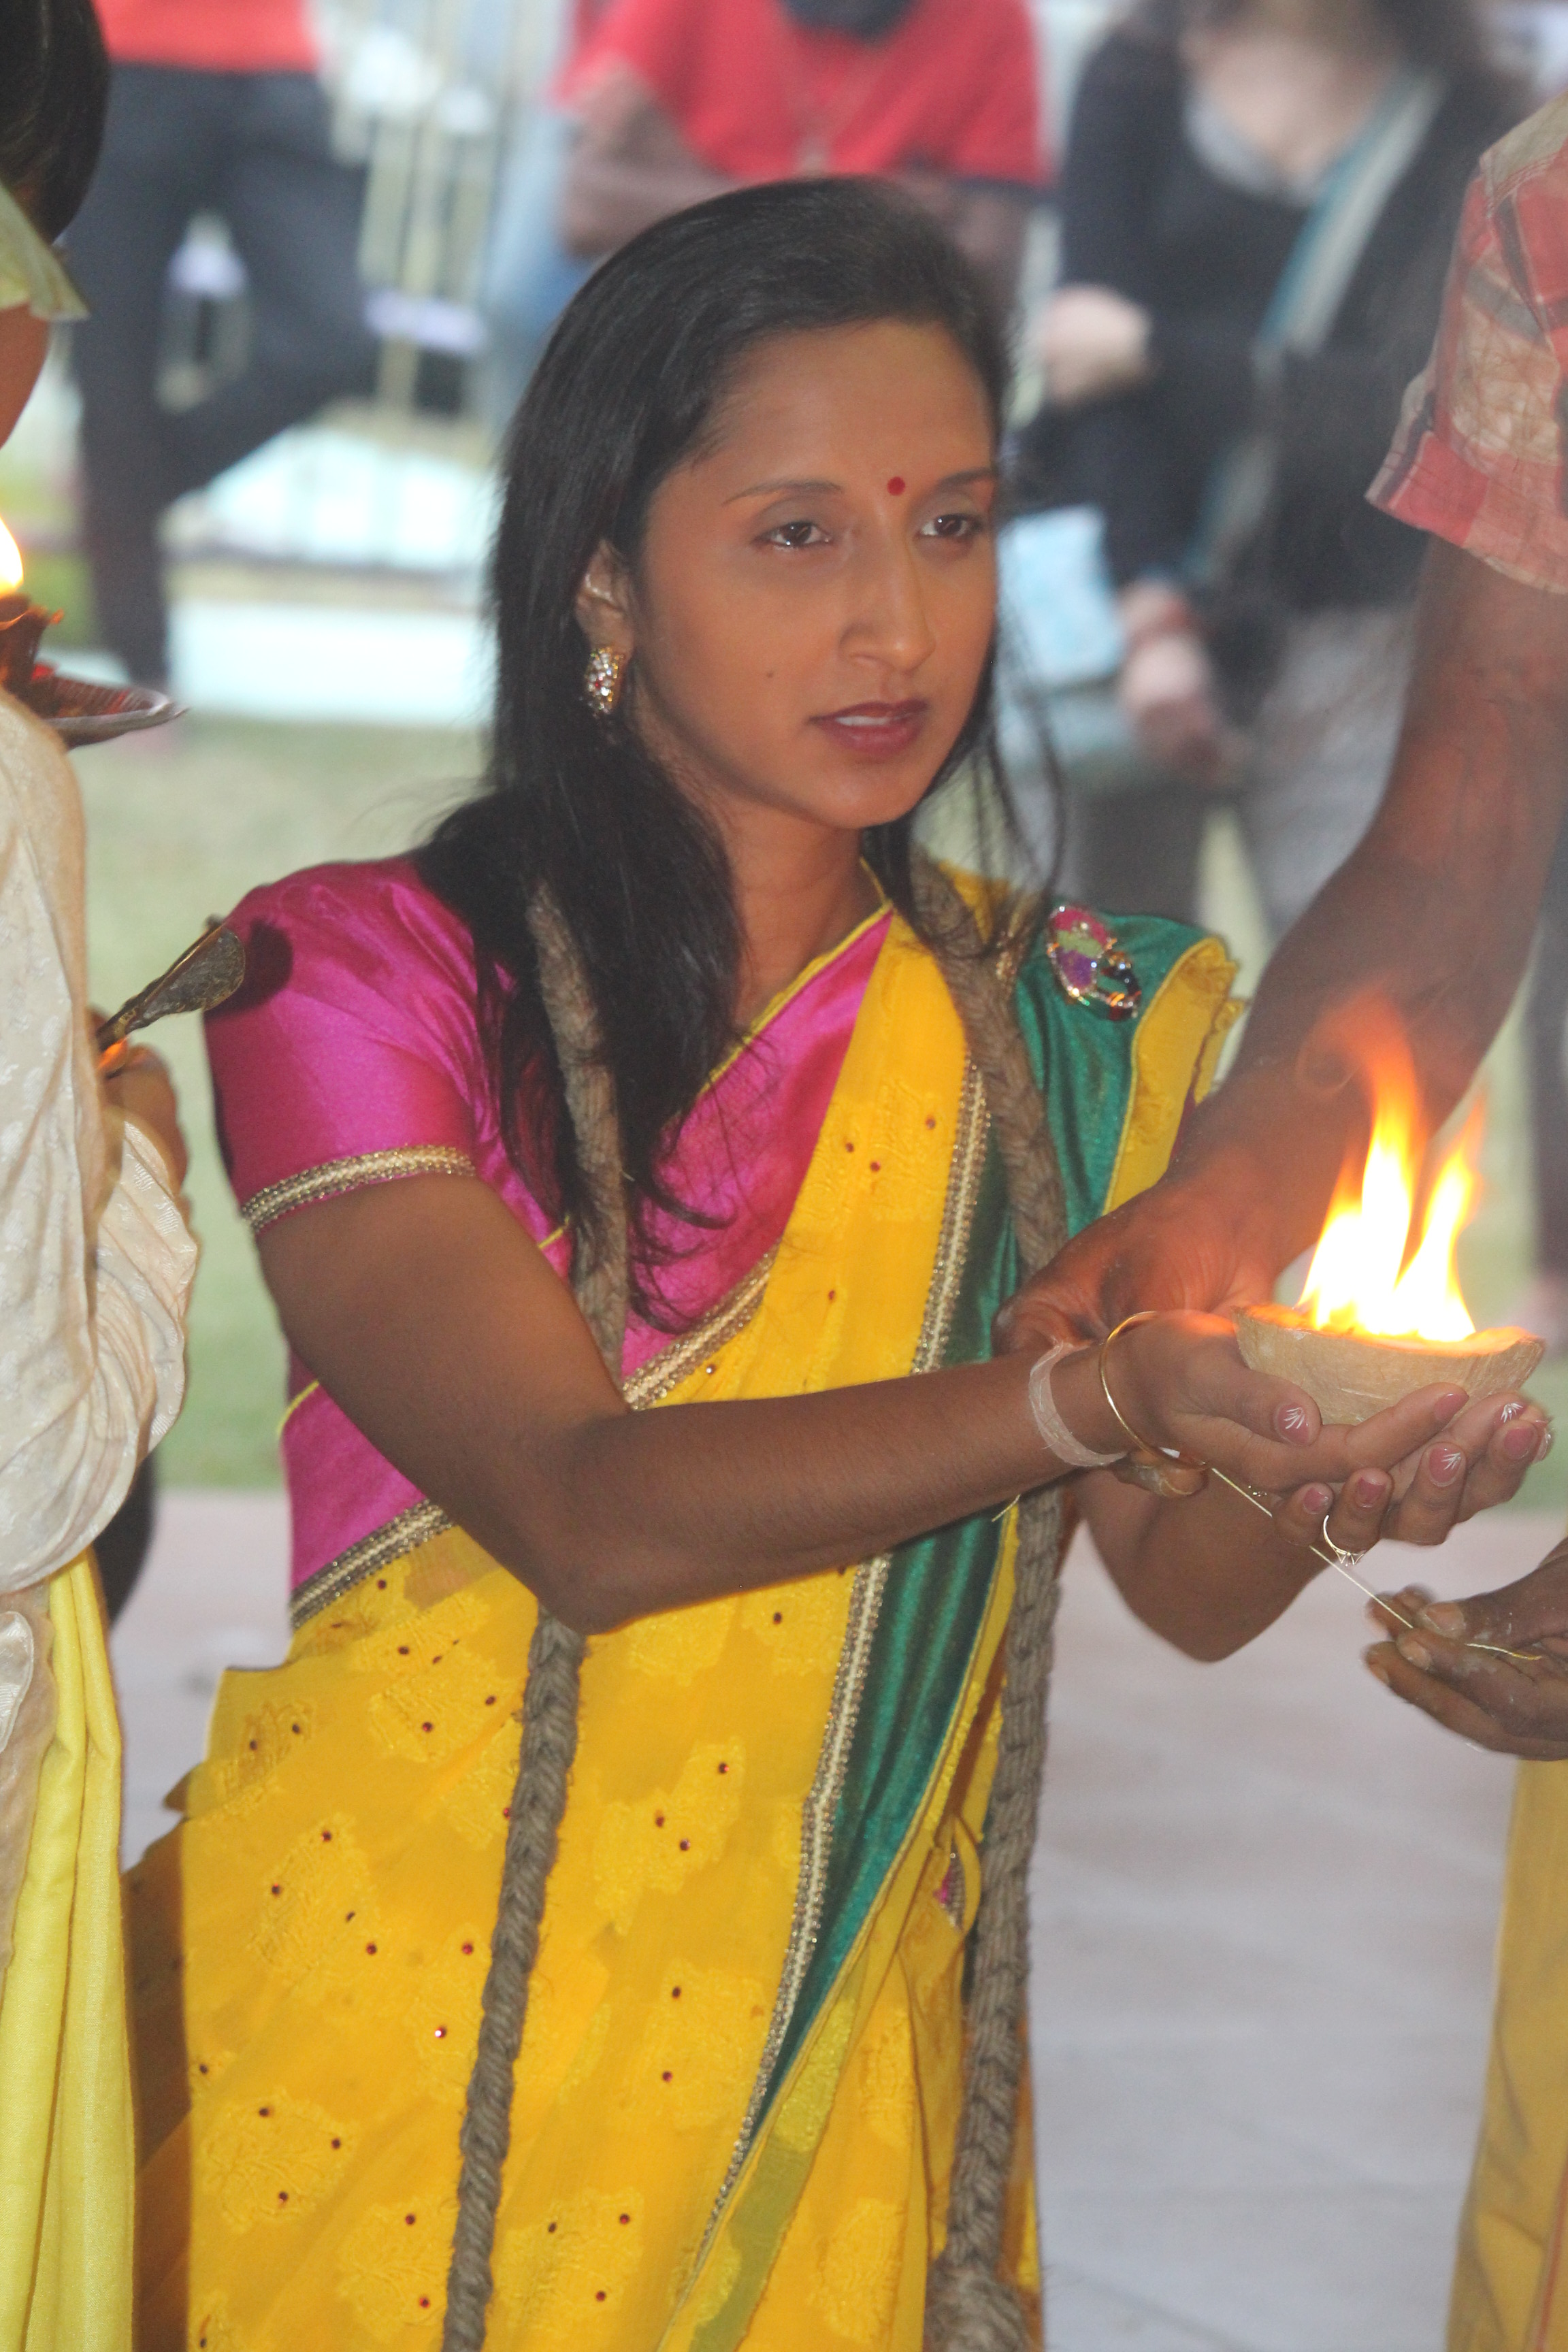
426,1312
1436,908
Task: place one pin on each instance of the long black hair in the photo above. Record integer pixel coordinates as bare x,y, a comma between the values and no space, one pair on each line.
54,91
632,378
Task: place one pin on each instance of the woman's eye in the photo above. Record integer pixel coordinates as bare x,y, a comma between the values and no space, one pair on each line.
953,527
796,534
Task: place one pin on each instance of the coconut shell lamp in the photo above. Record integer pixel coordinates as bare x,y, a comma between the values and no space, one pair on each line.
1382,1314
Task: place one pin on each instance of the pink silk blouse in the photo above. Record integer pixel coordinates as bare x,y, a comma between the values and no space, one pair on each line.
352,1057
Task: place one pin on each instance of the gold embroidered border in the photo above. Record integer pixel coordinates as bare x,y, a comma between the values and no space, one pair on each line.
652,1382
821,1806
335,1176
411,1528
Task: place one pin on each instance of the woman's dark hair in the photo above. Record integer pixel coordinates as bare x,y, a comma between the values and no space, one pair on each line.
54,90
632,379
1442,36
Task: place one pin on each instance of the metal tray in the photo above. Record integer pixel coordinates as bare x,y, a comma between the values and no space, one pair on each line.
81,712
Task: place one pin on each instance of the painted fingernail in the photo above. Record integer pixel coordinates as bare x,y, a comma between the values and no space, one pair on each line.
1520,1444
1545,1443
1510,1412
1444,1464
1316,1499
1291,1421
1367,1489
1442,1617
1415,1653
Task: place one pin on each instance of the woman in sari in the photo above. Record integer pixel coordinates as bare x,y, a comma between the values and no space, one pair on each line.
567,1943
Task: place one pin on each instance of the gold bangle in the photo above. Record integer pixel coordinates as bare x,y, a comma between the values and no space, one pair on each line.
1145,1316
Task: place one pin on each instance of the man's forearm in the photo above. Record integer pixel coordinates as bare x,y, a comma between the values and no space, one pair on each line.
1437,907
608,199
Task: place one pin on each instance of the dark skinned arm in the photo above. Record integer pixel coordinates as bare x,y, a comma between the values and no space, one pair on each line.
429,1316
628,168
990,226
1436,908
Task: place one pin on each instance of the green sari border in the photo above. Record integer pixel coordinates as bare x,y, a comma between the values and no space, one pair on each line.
933,1610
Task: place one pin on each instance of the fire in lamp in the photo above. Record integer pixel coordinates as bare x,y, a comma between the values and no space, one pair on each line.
1382,1314
22,623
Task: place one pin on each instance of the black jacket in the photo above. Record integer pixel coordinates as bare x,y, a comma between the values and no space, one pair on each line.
1143,214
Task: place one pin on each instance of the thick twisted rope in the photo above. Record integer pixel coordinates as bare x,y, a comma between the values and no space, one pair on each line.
969,2306
554,1661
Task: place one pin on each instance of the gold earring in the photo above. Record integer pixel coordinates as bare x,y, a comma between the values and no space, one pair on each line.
604,677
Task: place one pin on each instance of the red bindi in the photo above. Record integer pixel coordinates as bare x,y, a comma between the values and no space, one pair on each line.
896,487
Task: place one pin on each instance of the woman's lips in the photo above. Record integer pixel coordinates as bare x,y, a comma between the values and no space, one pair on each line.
874,730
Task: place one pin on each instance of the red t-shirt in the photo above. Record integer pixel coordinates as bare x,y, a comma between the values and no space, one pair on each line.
211,35
953,88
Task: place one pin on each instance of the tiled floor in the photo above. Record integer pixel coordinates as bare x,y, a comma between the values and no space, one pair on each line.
1265,1896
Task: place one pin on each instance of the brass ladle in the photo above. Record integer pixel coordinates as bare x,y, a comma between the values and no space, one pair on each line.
206,975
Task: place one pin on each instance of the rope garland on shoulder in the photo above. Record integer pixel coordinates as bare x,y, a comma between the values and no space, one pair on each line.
554,1664
969,2307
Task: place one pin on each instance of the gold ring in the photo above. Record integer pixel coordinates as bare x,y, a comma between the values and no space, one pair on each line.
1342,1559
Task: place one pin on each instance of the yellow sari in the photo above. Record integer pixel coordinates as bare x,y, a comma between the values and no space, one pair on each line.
736,2100
65,2080
1511,2288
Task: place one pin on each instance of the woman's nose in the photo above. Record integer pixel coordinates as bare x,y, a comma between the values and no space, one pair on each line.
892,622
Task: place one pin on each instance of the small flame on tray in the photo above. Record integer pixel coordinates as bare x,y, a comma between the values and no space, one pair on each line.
1374,1270
10,560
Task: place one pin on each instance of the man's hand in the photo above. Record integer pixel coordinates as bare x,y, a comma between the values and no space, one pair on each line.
1180,1243
139,1087
1517,1705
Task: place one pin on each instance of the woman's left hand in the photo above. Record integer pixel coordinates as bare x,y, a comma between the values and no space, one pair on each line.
1479,1461
1412,1471
1092,343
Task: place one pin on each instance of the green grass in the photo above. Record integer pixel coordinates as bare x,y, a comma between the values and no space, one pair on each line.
180,826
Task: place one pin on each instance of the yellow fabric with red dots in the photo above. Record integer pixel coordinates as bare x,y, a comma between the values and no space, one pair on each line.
309,1945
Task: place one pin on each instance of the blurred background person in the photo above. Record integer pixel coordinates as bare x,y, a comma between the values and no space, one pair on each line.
96,1264
212,109
529,274
1220,151
676,100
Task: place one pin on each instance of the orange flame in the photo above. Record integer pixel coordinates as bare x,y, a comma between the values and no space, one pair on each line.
1371,1272
10,560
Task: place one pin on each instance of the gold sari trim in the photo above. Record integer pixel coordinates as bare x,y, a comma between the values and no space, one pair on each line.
663,1373
388,1542
821,1805
337,1176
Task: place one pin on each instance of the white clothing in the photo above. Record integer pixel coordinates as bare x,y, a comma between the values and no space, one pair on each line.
96,1259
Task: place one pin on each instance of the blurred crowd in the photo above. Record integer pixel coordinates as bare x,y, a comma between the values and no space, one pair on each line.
1222,235
1221,272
